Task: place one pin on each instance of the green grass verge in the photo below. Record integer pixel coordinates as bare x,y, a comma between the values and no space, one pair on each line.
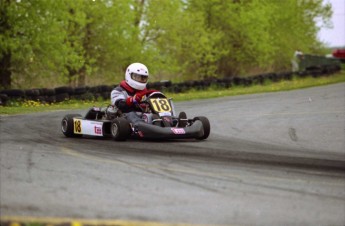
212,92
286,85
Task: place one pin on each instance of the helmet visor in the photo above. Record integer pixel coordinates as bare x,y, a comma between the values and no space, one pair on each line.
139,77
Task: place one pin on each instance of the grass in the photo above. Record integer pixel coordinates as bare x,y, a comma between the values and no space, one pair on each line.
212,92
286,85
24,108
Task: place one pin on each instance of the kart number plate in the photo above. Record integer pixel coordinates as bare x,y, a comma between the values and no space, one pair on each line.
87,127
77,126
160,104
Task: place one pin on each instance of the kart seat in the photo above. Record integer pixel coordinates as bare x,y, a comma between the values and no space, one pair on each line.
94,114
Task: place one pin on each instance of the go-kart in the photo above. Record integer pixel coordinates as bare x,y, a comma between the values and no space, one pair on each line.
159,121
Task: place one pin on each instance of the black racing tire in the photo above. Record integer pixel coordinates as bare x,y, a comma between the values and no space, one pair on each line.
32,92
120,129
3,99
64,89
67,125
13,92
206,125
79,90
47,92
62,97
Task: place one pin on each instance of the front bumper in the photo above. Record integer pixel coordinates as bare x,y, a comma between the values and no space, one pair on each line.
148,131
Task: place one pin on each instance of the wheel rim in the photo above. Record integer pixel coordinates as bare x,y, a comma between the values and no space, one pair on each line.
114,129
64,125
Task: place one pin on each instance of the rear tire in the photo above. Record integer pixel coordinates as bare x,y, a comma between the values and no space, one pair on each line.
120,129
206,125
67,125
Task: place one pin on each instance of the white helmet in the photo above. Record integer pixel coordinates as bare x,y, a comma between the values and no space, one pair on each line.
137,76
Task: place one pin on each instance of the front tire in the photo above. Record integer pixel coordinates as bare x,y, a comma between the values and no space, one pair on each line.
206,125
67,125
182,120
120,129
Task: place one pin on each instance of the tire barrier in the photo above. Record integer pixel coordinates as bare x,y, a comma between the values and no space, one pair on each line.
60,94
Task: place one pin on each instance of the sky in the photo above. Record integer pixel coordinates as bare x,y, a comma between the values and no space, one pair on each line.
335,37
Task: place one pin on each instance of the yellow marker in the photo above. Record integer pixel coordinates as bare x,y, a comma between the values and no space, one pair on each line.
161,105
77,126
14,224
76,223
47,221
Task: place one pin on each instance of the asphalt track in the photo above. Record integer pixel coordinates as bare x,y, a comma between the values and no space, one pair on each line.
271,159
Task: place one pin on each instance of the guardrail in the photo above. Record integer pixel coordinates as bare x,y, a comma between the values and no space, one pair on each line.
63,93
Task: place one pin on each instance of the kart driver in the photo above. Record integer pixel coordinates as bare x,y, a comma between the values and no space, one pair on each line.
129,93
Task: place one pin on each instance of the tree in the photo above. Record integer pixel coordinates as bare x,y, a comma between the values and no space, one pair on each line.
31,41
296,28
5,53
183,47
82,41
261,34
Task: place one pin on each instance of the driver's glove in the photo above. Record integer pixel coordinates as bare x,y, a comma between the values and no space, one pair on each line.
137,98
134,99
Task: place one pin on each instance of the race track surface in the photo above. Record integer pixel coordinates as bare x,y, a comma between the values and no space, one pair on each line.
271,159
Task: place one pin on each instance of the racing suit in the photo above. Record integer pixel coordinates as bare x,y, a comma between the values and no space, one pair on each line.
119,96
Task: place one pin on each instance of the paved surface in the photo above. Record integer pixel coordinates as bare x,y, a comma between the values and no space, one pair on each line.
271,159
